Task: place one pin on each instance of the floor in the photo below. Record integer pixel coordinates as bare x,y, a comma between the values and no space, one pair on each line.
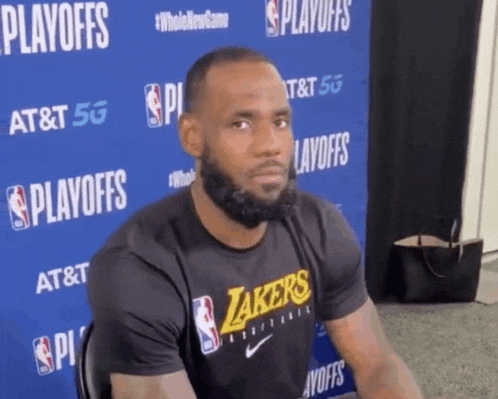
452,349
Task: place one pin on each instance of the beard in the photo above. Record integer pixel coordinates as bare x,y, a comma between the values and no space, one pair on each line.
241,205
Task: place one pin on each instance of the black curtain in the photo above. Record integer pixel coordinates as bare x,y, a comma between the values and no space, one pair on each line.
422,63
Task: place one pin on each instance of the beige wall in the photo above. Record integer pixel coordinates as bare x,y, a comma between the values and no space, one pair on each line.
480,196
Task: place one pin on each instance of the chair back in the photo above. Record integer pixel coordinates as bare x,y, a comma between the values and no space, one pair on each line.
92,382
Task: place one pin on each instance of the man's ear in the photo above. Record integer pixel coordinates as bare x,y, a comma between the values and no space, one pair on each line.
190,135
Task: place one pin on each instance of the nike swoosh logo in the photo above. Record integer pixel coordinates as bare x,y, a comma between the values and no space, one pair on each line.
250,352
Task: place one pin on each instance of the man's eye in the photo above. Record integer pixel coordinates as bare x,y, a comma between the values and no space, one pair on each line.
282,123
240,125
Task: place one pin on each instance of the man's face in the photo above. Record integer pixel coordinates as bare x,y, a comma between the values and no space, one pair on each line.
245,121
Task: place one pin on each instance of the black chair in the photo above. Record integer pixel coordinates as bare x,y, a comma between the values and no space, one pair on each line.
91,381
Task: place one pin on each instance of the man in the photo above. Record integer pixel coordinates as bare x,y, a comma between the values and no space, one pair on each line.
213,292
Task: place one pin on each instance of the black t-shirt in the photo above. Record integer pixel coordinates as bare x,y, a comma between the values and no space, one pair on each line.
253,310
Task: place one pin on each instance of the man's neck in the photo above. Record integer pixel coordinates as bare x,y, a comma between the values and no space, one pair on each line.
219,225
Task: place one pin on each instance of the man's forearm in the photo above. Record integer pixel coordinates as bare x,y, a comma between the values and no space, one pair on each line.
390,380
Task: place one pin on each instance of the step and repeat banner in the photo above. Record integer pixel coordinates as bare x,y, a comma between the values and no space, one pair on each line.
90,96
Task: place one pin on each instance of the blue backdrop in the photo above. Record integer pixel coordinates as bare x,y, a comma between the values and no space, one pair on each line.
91,92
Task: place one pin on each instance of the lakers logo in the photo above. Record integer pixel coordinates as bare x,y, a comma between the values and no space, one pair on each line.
248,305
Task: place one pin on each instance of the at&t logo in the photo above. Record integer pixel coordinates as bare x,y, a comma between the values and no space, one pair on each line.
54,117
55,279
306,87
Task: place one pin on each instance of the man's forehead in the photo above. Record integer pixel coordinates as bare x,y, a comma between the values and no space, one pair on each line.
243,77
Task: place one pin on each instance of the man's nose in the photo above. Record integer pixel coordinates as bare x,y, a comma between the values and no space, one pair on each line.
268,141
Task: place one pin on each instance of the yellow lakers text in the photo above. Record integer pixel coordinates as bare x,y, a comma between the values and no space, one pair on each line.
248,305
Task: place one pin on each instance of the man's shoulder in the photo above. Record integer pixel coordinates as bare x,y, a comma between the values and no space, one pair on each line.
163,211
148,235
322,221
139,251
312,209
150,220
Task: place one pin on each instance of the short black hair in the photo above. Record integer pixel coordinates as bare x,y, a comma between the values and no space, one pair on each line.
198,71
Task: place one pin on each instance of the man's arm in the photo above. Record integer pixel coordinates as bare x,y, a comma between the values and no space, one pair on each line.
138,344
167,386
378,372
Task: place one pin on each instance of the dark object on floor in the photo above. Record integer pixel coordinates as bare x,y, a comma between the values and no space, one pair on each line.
426,269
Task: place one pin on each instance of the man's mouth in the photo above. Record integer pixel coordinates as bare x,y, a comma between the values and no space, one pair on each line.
269,171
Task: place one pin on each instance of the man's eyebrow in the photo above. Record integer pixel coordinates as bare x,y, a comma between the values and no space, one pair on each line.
245,114
251,114
283,111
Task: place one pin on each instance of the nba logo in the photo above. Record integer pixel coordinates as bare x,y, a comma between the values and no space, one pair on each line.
43,355
16,198
153,105
204,321
271,18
